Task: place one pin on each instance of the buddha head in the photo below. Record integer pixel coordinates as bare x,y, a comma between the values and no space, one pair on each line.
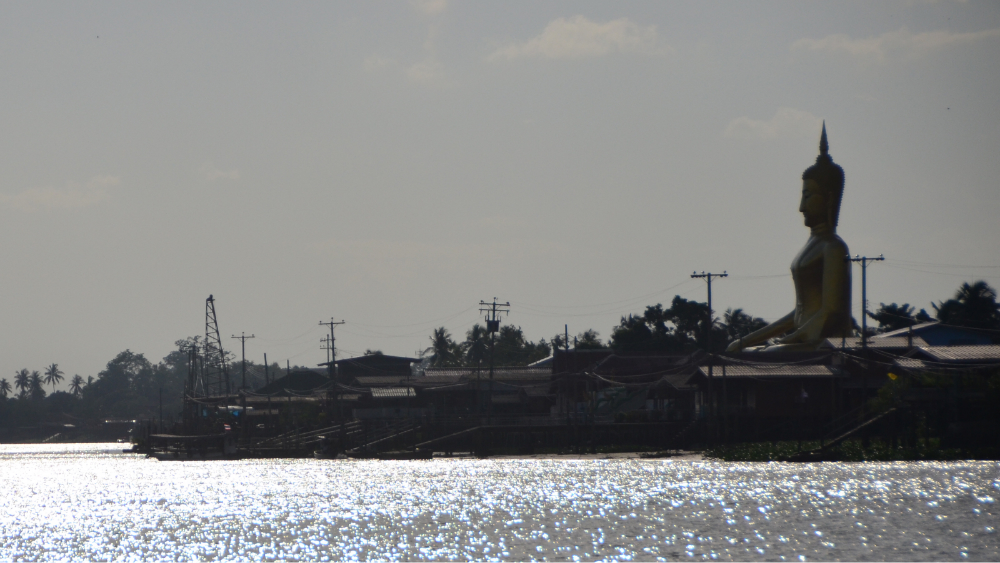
822,188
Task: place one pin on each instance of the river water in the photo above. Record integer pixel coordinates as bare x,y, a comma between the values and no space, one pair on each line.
91,502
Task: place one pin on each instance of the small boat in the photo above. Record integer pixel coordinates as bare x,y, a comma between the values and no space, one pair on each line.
398,454
320,454
192,455
166,447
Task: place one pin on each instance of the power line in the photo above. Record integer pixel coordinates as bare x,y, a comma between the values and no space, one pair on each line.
493,311
708,339
864,260
243,341
333,343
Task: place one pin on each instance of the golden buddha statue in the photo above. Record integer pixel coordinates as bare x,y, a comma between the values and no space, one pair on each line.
820,271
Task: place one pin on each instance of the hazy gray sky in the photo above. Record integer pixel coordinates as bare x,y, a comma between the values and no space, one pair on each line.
392,163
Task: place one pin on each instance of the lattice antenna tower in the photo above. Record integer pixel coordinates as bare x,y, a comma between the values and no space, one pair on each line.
216,376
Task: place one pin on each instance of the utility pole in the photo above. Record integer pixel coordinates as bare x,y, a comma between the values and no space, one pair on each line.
864,318
267,381
333,344
324,344
492,310
708,337
244,423
864,292
243,341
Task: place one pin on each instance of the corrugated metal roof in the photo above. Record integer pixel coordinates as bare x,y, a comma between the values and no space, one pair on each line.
392,392
873,342
904,331
508,373
770,370
379,380
971,354
433,380
349,397
910,363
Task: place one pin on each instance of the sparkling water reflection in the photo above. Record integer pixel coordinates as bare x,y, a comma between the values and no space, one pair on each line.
91,502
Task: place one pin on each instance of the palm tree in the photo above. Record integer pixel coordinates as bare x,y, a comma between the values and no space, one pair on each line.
738,323
4,388
76,385
975,306
53,375
475,345
444,348
22,380
35,384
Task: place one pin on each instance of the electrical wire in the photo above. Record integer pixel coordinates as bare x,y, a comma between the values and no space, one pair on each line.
927,271
939,265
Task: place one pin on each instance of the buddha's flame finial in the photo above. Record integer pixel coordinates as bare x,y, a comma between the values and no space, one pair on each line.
824,146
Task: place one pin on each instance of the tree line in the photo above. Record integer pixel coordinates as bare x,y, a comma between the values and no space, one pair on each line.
130,385
684,327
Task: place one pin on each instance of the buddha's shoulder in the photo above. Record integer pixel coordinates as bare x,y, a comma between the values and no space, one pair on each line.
835,244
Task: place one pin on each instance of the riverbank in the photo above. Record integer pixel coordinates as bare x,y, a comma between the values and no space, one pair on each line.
852,450
675,456
58,435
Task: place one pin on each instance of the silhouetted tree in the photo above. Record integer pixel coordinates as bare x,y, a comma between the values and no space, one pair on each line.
894,317
513,349
4,388
588,340
53,375
22,380
681,327
737,323
446,352
558,342
475,345
35,386
76,385
974,306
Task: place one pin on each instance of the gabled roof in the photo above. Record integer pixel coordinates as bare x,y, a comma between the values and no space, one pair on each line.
988,354
500,373
679,381
764,371
882,342
543,363
643,365
301,381
379,381
434,380
392,392
904,331
374,359
910,363
938,334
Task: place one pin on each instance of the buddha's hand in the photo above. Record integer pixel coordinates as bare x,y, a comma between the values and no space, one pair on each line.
734,346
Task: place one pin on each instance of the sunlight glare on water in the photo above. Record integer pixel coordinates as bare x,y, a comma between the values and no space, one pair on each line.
91,502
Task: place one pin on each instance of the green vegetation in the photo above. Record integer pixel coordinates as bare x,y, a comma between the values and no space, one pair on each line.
851,450
511,348
680,328
129,386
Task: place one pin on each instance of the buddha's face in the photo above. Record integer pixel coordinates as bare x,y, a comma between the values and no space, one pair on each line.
813,205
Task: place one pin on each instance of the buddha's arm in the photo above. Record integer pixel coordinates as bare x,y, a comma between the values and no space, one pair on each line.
835,271
777,328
